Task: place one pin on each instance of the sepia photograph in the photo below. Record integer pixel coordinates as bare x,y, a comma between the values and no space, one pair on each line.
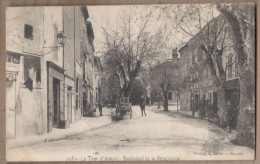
158,82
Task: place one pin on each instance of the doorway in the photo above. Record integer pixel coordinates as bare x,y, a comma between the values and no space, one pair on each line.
56,102
69,103
233,95
196,101
84,104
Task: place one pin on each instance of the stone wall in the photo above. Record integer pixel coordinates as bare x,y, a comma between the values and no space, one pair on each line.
69,47
27,104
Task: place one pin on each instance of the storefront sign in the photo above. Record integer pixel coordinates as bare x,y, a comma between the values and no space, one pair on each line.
13,62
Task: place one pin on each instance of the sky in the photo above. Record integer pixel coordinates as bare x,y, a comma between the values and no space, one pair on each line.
103,15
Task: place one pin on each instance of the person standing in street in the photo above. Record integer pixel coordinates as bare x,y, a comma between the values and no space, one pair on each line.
142,105
100,108
230,115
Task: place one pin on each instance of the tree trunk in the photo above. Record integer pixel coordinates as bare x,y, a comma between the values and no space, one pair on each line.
192,105
165,101
177,102
219,82
245,120
127,76
221,106
126,90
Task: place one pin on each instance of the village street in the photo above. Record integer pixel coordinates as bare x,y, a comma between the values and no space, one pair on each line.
159,136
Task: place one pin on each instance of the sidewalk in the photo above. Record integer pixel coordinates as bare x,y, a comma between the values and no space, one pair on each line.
173,108
83,125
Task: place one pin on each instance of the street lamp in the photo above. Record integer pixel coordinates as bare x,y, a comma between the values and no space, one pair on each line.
61,38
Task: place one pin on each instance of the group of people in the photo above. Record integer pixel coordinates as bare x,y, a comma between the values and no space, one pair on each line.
88,109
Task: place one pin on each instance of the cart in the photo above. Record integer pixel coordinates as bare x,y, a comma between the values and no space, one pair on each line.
123,108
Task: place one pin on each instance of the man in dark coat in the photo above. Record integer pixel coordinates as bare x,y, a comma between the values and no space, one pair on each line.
100,108
230,115
142,105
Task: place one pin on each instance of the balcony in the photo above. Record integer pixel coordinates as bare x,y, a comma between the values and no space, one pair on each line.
231,70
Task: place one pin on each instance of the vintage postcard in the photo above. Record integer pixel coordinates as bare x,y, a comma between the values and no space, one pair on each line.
130,82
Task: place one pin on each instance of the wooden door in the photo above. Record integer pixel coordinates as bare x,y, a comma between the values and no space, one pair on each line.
69,104
196,105
56,102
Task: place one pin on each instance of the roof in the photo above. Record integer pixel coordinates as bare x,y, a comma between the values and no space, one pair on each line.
191,39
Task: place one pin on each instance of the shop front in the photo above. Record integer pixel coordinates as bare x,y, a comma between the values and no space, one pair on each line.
14,67
55,90
69,99
24,114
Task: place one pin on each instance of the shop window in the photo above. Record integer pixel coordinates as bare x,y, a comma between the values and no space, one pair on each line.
32,72
28,31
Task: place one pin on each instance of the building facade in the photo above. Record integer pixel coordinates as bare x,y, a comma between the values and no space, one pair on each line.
201,91
24,50
97,81
49,83
200,84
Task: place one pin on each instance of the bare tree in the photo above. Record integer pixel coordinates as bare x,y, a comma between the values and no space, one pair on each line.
129,46
213,35
163,78
236,29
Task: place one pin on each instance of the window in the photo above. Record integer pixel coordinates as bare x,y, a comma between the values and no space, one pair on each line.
28,31
32,70
209,97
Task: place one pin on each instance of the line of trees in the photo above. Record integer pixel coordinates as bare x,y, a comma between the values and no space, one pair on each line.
236,31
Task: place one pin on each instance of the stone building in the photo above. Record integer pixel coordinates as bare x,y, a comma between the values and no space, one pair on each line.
89,74
47,80
53,60
97,80
69,63
200,86
25,111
